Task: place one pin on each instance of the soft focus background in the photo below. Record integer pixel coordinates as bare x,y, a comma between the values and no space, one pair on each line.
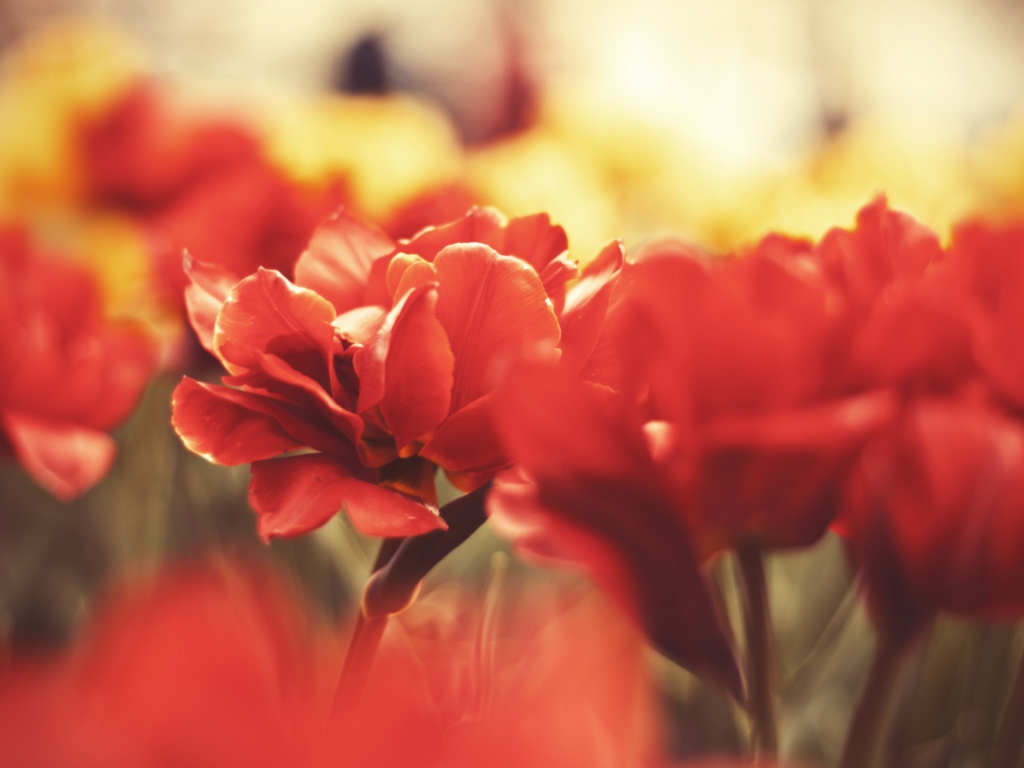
713,120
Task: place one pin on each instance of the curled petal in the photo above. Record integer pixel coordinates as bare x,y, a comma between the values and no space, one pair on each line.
224,426
272,376
296,494
66,459
408,272
407,368
267,313
338,261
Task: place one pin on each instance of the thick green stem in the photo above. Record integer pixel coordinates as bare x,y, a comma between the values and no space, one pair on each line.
1010,742
869,718
760,652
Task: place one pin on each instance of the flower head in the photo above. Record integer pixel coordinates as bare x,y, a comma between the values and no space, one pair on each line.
70,375
383,358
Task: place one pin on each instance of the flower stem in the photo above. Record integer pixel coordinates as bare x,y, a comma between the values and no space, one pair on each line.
862,740
1010,742
362,649
760,652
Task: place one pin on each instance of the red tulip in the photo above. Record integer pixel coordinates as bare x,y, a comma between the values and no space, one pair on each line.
903,315
989,264
934,513
199,182
69,375
708,423
383,359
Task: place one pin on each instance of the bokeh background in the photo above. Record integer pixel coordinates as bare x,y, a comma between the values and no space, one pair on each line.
716,121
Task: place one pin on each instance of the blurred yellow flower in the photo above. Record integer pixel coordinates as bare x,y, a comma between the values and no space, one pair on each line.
54,80
386,150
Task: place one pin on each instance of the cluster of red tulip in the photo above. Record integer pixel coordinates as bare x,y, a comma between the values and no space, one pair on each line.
666,408
636,419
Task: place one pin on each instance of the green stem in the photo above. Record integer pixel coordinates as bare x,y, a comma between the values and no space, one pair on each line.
760,652
864,736
1010,742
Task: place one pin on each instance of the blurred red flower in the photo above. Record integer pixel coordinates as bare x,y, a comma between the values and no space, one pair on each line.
988,263
710,421
903,307
221,665
70,375
934,515
197,181
383,358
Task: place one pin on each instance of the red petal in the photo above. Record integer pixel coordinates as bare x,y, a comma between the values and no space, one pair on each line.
66,459
468,441
535,240
208,289
480,225
408,368
224,426
297,494
886,247
339,258
272,376
360,325
594,473
494,310
267,313
587,304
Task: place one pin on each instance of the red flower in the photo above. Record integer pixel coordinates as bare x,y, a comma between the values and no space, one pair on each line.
934,514
712,425
383,359
989,266
903,316
198,182
69,375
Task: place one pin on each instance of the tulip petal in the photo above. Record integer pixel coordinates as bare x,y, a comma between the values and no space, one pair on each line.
467,441
224,426
587,304
494,309
274,377
337,263
297,494
480,225
265,312
407,368
216,422
209,287
66,459
588,457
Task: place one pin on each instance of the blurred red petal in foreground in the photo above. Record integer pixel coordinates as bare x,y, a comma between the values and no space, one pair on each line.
69,374
220,665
